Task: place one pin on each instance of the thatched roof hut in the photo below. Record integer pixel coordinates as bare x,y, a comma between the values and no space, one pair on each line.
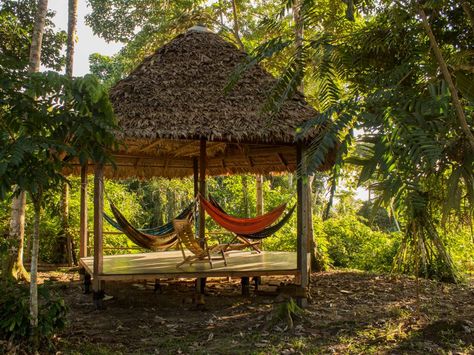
177,121
176,97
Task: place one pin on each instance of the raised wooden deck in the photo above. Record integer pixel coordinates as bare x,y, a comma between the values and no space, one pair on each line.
150,266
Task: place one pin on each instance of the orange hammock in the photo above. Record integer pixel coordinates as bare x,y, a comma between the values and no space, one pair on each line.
242,225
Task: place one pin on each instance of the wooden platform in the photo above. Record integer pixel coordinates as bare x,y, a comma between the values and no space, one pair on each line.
150,266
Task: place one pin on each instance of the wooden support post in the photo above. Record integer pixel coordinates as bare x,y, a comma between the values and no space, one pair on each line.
303,257
87,283
98,286
245,282
83,230
201,282
259,205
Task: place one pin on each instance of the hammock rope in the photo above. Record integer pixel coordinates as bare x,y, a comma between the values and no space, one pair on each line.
242,226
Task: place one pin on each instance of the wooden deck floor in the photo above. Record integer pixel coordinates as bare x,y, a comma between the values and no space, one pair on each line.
163,265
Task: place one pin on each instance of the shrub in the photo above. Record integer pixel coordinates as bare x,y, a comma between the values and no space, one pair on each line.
350,243
15,312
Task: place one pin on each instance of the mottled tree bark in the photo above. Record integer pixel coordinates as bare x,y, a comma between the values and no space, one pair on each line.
14,261
71,36
34,272
35,55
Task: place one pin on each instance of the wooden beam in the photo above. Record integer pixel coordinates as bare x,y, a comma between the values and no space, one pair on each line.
98,225
83,228
282,159
151,145
186,149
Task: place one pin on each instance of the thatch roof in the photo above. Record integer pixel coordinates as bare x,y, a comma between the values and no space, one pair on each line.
178,93
176,97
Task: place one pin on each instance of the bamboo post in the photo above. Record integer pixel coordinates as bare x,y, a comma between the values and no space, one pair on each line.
83,230
98,286
303,256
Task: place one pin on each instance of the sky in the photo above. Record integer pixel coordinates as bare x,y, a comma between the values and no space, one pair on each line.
87,43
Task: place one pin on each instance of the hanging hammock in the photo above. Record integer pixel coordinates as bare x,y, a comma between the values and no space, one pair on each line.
160,230
267,231
242,226
145,240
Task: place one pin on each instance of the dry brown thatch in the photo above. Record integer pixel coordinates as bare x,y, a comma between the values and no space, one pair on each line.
178,93
176,96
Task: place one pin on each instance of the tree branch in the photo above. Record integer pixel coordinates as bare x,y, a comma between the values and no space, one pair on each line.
449,80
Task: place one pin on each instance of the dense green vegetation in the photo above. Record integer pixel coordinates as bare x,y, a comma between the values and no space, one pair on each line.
392,82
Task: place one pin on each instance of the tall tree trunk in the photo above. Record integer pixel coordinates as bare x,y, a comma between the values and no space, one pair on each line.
34,272
35,55
299,28
449,80
17,222
65,231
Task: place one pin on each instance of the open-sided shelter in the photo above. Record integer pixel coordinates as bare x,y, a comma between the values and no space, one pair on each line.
177,120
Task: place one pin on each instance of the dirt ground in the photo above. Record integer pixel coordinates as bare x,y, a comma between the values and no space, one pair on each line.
350,313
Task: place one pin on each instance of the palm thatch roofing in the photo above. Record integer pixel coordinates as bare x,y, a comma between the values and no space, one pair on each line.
176,97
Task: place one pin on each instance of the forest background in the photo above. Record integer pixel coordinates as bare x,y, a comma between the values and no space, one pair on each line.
368,67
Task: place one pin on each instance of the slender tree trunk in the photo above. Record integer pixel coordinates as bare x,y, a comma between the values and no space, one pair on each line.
71,36
66,233
34,272
236,25
259,188
14,261
17,222
449,80
245,192
66,237
35,55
